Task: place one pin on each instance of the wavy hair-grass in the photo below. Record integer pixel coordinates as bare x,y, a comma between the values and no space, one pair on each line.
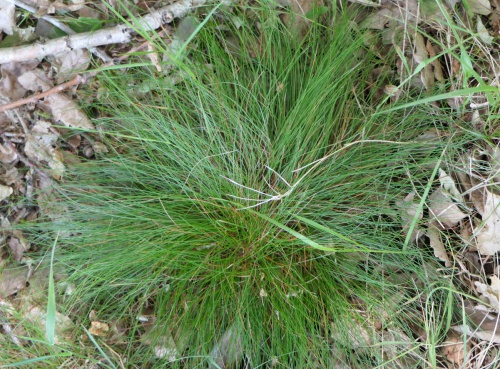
175,219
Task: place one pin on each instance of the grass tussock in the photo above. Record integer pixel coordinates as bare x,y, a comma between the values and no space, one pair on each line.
252,201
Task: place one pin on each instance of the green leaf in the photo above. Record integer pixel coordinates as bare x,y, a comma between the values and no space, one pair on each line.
316,12
85,24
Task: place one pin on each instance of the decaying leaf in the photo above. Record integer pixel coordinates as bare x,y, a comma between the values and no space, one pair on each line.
491,293
48,204
164,345
9,86
494,162
298,24
68,112
154,57
495,17
488,236
443,210
449,187
408,212
374,4
166,349
7,154
70,63
484,323
437,245
16,241
187,26
488,336
35,80
5,191
229,350
64,325
40,147
454,349
98,328
482,32
474,192
361,335
11,176
12,280
7,17
376,20
18,245
482,7
421,56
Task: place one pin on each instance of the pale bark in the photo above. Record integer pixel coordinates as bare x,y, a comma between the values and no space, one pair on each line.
118,34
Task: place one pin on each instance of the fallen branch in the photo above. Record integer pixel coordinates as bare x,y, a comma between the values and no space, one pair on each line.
74,81
88,40
57,23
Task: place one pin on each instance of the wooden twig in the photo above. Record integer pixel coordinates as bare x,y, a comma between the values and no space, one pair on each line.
63,27
115,35
74,81
177,10
78,79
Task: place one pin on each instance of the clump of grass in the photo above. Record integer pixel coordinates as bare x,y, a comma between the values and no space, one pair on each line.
254,196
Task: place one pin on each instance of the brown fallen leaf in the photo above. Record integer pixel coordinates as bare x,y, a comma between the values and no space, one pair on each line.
7,154
484,323
421,55
35,80
436,64
5,191
10,88
490,293
443,210
494,153
11,176
408,212
482,7
474,192
65,110
488,235
495,17
298,24
12,279
437,245
39,146
7,17
377,20
482,32
64,326
98,328
454,349
229,349
18,246
70,63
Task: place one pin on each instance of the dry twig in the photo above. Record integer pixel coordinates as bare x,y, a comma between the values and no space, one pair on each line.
88,40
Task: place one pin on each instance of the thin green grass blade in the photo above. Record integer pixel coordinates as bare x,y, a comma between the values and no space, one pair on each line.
296,234
35,360
196,31
421,204
98,347
50,321
330,231
440,97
